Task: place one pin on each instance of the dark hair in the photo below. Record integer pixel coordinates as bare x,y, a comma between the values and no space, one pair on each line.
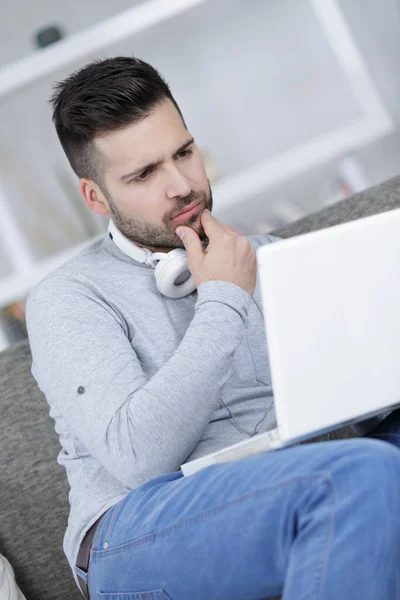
105,95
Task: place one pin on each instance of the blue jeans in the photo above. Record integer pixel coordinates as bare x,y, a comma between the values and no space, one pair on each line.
317,521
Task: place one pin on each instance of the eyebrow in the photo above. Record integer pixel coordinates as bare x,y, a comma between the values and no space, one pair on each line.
154,163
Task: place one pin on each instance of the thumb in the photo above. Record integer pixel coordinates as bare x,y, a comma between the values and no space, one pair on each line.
191,241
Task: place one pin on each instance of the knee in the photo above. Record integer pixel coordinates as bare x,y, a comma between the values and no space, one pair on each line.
377,454
372,469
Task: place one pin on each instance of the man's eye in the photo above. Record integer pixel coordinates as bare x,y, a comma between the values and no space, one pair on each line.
185,153
143,176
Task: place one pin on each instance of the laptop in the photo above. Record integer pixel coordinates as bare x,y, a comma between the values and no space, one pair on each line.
331,301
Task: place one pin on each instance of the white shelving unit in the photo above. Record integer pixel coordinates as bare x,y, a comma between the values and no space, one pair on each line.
238,186
91,40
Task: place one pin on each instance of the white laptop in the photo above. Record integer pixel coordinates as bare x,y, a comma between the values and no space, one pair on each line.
331,302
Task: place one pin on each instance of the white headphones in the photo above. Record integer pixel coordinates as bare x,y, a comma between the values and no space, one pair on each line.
173,277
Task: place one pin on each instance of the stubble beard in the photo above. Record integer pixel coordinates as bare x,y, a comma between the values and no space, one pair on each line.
148,235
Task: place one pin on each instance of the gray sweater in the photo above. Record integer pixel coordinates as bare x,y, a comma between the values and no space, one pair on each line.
138,383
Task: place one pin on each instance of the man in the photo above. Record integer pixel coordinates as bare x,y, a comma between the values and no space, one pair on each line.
139,383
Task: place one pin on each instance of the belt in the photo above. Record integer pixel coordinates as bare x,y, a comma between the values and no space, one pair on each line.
82,562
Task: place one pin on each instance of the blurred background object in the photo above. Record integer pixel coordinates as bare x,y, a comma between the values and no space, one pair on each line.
48,35
295,105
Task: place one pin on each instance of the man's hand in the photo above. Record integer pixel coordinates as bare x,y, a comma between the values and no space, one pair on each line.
229,256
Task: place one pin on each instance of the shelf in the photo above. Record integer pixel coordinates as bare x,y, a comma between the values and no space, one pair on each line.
110,31
266,174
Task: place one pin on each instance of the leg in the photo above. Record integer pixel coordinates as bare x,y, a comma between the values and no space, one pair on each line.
319,521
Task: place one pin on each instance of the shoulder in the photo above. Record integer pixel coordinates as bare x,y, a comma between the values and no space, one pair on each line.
67,282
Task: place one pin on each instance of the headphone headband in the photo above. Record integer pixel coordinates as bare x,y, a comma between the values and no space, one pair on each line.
142,255
168,267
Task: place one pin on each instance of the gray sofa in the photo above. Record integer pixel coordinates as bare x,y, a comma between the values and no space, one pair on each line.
34,490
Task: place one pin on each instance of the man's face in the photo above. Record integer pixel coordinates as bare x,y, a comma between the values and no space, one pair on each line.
154,171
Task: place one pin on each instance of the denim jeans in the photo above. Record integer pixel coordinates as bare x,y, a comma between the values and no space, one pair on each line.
316,521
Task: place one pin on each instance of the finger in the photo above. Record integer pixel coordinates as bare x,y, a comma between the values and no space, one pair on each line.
192,243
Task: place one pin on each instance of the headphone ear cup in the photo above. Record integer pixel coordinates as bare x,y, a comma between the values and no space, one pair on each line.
169,271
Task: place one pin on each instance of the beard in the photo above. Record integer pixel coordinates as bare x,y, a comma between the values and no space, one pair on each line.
162,236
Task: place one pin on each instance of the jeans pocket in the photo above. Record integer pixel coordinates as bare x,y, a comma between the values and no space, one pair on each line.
150,595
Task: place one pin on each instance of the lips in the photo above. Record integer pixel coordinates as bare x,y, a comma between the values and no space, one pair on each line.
187,213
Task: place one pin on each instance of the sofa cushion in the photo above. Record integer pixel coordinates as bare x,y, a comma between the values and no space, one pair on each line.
380,198
34,490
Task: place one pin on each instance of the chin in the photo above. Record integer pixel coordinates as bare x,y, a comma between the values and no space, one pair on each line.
198,228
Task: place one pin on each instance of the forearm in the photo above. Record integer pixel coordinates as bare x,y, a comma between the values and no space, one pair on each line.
164,420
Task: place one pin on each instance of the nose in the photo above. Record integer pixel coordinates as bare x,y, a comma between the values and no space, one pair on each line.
177,184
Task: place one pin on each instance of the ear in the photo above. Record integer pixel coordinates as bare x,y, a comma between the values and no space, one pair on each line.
93,196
